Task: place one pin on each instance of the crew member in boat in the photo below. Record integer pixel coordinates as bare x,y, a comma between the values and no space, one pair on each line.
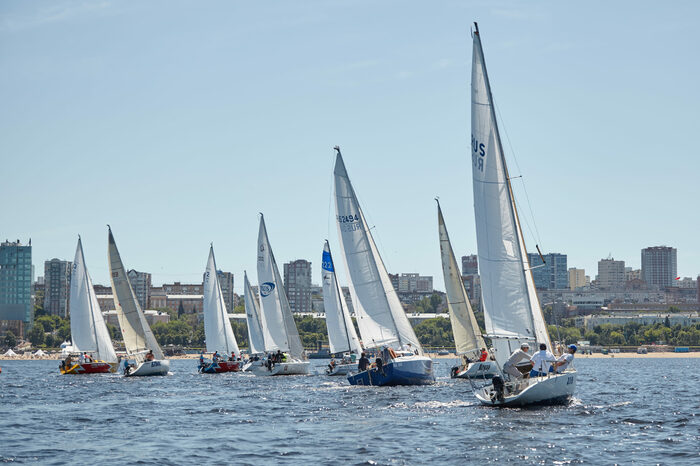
565,359
201,359
484,355
150,356
541,361
363,364
518,356
215,357
278,357
127,367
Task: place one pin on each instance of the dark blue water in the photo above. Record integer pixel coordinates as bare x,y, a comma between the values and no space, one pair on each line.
644,411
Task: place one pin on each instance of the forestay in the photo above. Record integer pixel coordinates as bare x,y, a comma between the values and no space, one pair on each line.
341,331
217,326
464,326
510,303
380,316
87,326
138,337
278,324
256,340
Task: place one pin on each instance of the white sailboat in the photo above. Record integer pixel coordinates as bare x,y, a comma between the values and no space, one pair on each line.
141,345
218,333
468,339
256,340
280,331
341,331
380,316
89,332
511,307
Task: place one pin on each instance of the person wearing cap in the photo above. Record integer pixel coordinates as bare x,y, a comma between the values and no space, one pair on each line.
565,359
541,361
518,356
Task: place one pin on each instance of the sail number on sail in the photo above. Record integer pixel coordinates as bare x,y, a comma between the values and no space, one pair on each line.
479,152
350,222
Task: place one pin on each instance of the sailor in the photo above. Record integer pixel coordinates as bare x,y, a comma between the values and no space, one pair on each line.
278,356
201,359
484,355
363,364
81,358
150,356
215,357
518,356
566,359
541,361
127,367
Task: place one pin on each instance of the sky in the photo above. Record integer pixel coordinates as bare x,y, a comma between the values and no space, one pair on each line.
178,122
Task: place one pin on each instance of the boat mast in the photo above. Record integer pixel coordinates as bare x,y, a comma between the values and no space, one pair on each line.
513,210
371,240
340,297
218,298
87,287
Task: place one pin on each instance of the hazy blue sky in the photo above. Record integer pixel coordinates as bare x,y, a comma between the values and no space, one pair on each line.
177,122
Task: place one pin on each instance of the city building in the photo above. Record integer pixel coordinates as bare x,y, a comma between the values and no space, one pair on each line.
632,274
226,283
152,317
553,275
141,284
16,287
57,287
470,265
415,283
611,274
297,285
659,266
578,279
472,285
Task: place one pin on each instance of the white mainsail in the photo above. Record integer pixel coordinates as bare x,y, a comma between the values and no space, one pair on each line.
87,327
256,341
278,324
511,307
341,331
217,326
138,337
464,326
380,316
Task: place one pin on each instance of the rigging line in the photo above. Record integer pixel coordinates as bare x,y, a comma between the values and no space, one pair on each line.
330,199
536,233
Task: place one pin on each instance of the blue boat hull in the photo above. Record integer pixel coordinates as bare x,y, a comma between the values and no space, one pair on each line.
415,370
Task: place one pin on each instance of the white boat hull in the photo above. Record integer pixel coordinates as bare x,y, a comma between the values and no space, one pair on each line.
476,370
157,367
551,389
342,369
284,368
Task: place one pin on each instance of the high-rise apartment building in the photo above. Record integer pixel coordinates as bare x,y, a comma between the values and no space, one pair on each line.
57,287
632,274
141,284
659,266
470,265
297,285
577,278
226,283
553,275
16,287
611,274
415,283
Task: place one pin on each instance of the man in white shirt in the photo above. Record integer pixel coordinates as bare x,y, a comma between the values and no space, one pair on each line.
566,359
541,361
518,356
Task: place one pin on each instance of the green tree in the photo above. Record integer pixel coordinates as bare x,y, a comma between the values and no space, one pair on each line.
36,334
10,339
436,332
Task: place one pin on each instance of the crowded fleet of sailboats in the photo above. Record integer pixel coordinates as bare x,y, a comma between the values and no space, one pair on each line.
514,325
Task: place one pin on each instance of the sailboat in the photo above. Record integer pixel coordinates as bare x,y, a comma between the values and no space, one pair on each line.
88,330
141,345
511,307
468,339
382,321
256,339
217,326
280,331
341,331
